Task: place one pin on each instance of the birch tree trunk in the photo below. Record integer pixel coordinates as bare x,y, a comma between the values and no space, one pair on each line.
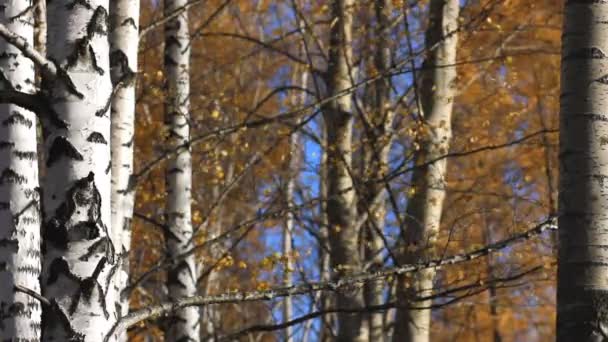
19,191
327,322
211,315
124,41
582,291
181,277
376,165
290,187
288,232
79,264
425,206
341,201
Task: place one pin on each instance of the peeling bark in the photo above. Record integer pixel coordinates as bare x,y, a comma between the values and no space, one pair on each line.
124,41
582,291
20,314
423,215
183,325
79,264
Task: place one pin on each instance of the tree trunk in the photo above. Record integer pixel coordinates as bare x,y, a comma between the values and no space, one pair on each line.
376,164
582,291
19,191
341,202
211,315
290,187
79,264
124,41
327,323
288,232
492,290
425,206
181,277
40,28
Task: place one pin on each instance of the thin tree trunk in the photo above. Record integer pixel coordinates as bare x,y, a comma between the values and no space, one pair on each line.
211,313
124,40
288,232
582,290
492,290
79,264
290,187
341,202
425,205
40,28
376,164
327,322
19,191
181,278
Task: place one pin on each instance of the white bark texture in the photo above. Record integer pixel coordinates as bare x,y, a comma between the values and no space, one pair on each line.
290,188
582,294
423,217
79,264
19,191
124,41
181,277
288,233
341,200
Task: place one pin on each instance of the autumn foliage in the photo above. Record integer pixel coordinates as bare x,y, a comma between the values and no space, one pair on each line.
247,62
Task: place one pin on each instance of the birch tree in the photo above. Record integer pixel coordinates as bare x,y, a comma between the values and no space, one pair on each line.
582,300
288,231
341,198
290,188
375,161
181,277
79,265
426,204
19,191
124,42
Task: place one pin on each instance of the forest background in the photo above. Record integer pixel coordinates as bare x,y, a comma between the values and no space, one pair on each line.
333,145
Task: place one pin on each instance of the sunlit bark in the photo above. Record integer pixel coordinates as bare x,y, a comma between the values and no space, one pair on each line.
184,324
582,291
437,91
80,263
124,40
19,191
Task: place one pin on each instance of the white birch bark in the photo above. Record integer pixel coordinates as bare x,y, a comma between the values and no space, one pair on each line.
582,292
423,215
19,192
341,202
79,264
181,278
124,42
288,233
290,188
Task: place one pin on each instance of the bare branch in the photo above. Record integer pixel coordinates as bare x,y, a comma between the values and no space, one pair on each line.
47,67
341,283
